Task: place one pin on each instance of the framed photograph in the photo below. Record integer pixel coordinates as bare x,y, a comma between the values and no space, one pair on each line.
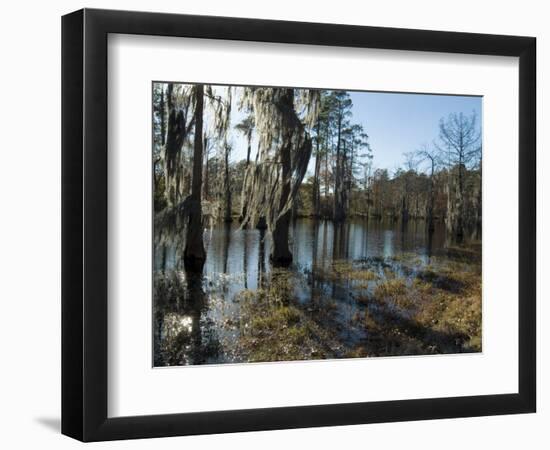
274,224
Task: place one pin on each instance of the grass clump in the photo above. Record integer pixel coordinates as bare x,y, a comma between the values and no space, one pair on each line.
453,279
437,311
340,271
282,333
392,289
456,313
274,328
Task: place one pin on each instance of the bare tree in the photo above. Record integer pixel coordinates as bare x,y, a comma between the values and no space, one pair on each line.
407,175
432,156
460,140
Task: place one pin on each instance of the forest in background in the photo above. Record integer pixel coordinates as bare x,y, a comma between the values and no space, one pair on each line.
307,156
277,238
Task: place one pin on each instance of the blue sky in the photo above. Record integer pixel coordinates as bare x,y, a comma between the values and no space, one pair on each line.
399,123
396,123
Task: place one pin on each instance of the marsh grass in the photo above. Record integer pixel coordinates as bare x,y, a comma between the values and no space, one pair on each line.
341,270
417,305
274,328
437,311
401,306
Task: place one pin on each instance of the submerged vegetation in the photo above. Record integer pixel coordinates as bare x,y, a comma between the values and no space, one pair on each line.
301,248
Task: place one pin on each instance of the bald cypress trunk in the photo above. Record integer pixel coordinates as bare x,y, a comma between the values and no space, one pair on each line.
280,252
194,254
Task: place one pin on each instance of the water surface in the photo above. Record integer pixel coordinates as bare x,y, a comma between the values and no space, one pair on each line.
198,318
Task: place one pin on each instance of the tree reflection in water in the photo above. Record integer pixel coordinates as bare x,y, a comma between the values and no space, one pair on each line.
183,336
355,289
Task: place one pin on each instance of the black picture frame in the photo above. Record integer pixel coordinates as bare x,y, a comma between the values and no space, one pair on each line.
84,224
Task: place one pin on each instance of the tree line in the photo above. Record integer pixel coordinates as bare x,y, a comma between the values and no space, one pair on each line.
288,132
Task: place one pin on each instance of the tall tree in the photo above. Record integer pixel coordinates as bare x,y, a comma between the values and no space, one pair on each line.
322,132
356,143
342,105
207,148
316,190
478,218
460,139
178,131
194,254
407,177
246,127
162,113
284,152
364,163
431,155
227,184
159,141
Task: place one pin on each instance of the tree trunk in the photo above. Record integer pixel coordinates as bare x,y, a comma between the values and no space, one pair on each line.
205,187
460,204
194,254
479,207
326,206
316,192
316,188
227,186
431,225
404,209
243,200
172,150
367,190
162,117
344,182
337,207
405,200
249,146
350,181
280,252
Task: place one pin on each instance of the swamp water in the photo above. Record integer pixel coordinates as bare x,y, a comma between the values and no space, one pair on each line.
359,289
